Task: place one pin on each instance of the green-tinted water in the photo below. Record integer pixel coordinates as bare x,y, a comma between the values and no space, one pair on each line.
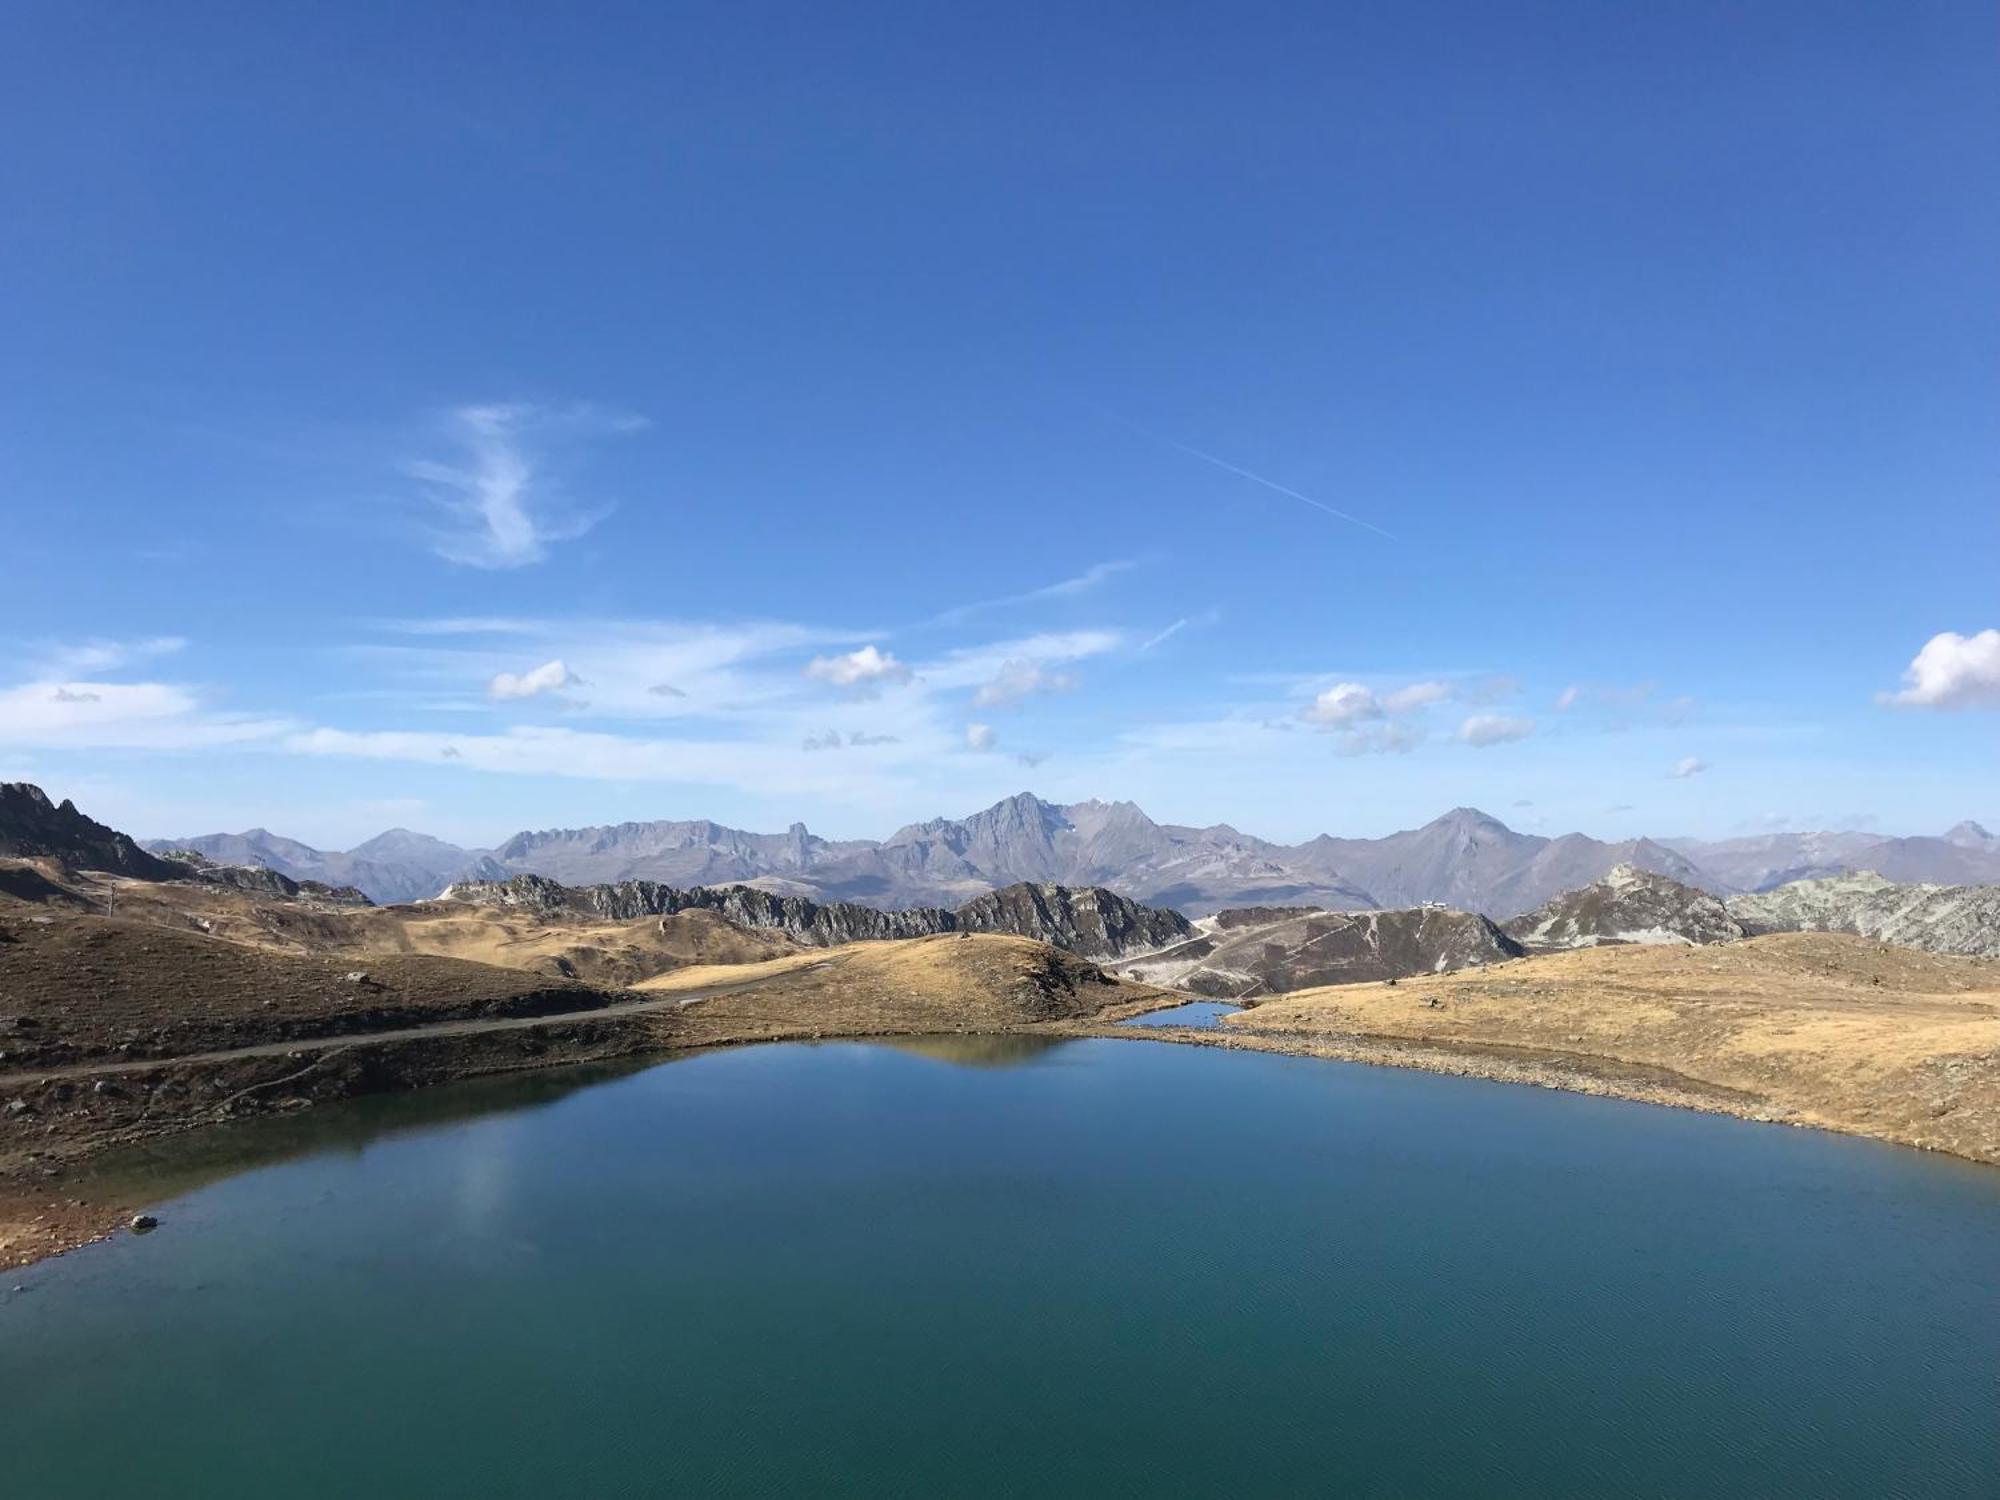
1096,1268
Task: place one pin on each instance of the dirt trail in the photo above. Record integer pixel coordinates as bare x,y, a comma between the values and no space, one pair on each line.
673,1001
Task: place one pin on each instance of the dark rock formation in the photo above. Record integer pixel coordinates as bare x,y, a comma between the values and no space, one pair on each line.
33,828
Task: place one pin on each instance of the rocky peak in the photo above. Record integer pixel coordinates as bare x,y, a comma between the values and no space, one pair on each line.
1629,904
1469,825
32,827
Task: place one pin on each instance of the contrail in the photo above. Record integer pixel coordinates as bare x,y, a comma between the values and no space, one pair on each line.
1242,473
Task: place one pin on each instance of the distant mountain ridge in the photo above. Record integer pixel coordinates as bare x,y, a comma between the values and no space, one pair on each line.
391,867
1466,859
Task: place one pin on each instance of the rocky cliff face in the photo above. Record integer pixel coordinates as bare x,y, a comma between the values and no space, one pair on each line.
31,827
1243,954
1629,905
1936,918
1095,923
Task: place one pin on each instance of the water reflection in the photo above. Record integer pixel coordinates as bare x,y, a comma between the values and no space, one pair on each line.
996,1050
153,1171
1200,1014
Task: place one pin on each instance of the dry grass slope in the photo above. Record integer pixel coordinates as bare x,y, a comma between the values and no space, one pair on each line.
1812,1028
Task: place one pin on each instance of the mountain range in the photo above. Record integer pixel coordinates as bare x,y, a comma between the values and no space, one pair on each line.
1465,859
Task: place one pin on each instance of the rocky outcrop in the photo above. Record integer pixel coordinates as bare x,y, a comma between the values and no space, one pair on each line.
31,827
1095,923
1935,918
259,880
1240,955
1629,905
803,920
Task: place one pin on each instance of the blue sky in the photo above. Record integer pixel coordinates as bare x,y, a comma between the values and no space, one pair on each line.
478,418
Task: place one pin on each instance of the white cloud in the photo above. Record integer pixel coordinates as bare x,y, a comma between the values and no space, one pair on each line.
1347,705
496,508
1686,766
1342,705
1482,730
547,678
1569,698
980,737
868,667
1020,679
1953,671
1416,695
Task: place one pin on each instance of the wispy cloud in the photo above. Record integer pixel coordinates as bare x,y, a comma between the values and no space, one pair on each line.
1416,695
1687,766
1160,638
1952,671
66,659
122,716
496,507
833,739
1065,588
1390,738
980,737
973,666
1021,679
1242,473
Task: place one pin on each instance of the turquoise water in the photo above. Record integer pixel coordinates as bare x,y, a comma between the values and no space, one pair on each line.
1203,1013
1088,1268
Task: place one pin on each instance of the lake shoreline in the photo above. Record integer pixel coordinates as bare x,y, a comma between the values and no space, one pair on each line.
39,1219
1578,1073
